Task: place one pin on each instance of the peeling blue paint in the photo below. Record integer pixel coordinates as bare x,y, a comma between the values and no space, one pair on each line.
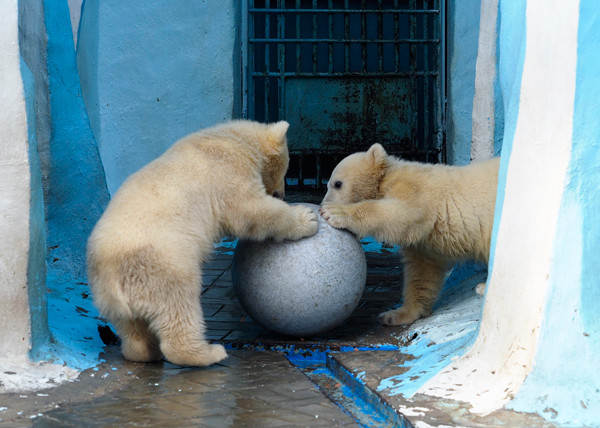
36,267
429,359
348,391
370,245
76,197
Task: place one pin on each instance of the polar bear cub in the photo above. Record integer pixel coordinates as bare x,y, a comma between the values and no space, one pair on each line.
438,214
146,252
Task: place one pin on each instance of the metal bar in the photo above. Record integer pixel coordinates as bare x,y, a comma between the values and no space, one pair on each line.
281,64
363,33
380,36
345,40
425,74
441,80
314,32
330,33
427,131
298,32
300,170
349,74
347,10
318,170
250,99
267,68
347,37
396,34
414,120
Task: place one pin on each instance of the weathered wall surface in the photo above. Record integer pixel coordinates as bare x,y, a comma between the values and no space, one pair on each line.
32,47
151,74
462,42
15,188
539,336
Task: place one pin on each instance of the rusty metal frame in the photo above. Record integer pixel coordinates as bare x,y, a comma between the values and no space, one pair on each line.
271,40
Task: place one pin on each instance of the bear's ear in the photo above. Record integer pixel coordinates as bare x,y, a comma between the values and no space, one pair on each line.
377,154
278,131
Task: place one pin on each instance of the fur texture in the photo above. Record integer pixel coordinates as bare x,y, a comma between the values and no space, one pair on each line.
438,214
146,252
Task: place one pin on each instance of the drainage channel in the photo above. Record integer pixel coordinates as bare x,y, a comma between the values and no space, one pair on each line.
344,389
340,385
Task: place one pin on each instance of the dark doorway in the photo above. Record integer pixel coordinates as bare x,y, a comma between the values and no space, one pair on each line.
347,74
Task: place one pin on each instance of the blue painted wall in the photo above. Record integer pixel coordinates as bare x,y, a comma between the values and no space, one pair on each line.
153,73
36,268
32,47
566,377
149,75
462,42
76,197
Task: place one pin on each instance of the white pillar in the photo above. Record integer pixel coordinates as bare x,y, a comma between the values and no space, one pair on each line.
15,326
532,179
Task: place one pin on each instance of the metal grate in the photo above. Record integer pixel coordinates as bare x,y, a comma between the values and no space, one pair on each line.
347,74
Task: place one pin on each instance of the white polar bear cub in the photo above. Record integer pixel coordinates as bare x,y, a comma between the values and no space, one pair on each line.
146,252
438,214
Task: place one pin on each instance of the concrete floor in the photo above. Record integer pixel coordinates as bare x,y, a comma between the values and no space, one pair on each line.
359,374
270,380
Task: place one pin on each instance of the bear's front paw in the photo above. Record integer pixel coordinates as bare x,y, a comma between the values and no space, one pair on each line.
401,316
336,215
307,221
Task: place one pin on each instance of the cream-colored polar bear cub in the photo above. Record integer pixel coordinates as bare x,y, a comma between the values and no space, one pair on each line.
438,214
145,254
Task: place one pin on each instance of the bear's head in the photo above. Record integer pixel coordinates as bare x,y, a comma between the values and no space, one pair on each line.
274,146
358,176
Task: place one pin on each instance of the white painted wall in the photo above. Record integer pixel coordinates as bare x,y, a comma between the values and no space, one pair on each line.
484,101
533,177
14,192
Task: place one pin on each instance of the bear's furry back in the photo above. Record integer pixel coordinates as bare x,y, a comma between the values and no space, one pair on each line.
168,214
458,204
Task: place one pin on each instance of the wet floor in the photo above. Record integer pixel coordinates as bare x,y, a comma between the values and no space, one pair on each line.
268,380
249,389
257,385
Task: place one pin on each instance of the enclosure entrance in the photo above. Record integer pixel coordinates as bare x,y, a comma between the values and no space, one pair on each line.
347,74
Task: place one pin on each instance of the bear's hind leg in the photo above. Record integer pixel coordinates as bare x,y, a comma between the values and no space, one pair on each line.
180,329
423,280
138,343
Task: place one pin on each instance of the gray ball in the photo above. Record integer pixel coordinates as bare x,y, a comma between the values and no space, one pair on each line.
304,287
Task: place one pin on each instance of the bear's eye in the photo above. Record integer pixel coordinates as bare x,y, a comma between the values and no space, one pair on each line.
337,185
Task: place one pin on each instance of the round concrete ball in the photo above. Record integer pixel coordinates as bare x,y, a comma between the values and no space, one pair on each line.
301,288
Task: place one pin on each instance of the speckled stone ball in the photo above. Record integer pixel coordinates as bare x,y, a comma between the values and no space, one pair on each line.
301,288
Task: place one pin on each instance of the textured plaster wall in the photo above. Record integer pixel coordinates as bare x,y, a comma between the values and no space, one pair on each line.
540,331
153,73
463,35
15,179
32,47
76,197
484,100
566,377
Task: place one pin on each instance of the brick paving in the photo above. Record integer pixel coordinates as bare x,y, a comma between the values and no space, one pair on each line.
255,386
249,389
264,382
228,322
